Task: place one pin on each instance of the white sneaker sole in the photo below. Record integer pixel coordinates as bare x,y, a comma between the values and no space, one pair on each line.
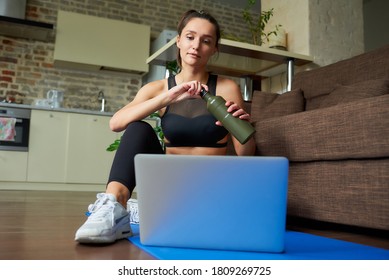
120,231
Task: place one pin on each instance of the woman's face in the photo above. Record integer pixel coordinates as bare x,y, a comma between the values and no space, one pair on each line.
197,42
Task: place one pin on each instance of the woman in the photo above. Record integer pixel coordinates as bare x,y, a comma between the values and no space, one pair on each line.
188,127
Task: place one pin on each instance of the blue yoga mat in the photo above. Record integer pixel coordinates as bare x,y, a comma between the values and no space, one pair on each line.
298,246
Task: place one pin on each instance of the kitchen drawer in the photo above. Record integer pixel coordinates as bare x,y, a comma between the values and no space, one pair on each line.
13,166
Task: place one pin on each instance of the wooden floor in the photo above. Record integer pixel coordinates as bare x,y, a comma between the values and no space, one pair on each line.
37,225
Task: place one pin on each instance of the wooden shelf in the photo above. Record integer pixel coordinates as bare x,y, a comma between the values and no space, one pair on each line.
238,59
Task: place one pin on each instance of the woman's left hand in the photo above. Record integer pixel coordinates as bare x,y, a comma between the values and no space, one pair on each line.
236,111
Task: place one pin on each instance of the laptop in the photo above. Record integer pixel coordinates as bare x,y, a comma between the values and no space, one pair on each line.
212,202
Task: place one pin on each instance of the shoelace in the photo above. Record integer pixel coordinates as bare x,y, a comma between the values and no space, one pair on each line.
101,208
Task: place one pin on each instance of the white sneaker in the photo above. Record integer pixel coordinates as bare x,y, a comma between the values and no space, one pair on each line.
132,208
108,221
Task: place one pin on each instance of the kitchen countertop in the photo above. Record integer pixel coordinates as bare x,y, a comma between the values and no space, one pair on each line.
65,110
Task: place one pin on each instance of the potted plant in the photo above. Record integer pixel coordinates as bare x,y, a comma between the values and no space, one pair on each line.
173,68
257,25
158,130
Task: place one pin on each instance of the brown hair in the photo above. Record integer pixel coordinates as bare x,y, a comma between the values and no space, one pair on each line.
187,16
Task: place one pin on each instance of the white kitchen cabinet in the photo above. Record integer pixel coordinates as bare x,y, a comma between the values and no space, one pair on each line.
93,43
66,149
47,156
88,161
69,148
13,166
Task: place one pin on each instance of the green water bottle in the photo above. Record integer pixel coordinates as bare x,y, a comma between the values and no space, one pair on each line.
216,105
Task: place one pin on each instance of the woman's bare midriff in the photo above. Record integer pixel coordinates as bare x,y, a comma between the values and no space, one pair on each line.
196,151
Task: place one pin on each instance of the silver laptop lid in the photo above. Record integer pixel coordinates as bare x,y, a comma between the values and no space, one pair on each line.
212,202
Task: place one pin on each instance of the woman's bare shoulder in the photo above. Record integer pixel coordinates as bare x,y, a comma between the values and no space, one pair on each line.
154,88
227,87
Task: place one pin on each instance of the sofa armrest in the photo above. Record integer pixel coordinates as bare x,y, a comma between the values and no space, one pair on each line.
358,129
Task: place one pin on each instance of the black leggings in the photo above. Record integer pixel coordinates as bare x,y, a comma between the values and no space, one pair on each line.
139,138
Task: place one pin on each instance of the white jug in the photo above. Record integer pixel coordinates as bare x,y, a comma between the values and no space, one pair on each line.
55,98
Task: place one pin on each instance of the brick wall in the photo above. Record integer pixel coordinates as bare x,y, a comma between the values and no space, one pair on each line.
26,66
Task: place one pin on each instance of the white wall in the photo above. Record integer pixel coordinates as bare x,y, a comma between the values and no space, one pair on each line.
336,30
293,15
329,30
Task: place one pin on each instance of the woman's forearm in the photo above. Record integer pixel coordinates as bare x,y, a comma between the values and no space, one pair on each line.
138,111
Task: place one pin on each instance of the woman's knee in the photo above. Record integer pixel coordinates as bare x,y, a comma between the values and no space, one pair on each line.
142,137
138,129
139,126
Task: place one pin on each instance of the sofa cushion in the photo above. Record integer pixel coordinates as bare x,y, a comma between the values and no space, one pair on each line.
267,105
353,192
348,93
353,130
321,81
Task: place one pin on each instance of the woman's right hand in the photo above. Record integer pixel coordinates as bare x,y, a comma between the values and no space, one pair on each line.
186,90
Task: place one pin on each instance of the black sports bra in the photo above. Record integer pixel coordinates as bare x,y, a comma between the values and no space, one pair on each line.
189,124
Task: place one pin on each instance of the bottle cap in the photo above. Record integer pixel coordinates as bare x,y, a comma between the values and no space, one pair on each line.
203,92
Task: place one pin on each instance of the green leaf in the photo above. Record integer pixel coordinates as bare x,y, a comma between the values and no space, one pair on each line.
155,115
257,27
114,146
173,67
